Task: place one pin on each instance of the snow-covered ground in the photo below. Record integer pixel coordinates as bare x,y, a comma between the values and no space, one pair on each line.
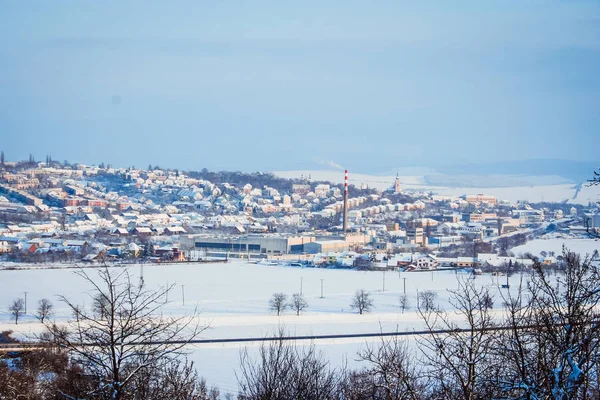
233,301
234,297
555,244
550,193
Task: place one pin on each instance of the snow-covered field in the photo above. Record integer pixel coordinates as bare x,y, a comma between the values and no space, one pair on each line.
581,246
234,297
233,301
550,193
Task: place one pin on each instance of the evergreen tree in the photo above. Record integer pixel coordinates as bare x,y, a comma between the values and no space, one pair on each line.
2,158
148,251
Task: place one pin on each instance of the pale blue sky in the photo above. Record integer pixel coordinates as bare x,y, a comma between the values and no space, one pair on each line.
256,85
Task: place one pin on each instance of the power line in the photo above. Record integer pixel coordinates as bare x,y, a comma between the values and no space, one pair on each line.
311,337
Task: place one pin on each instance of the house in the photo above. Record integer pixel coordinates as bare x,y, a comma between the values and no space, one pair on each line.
467,261
480,198
170,253
141,231
14,228
134,249
77,245
120,231
174,230
55,243
448,228
4,247
94,257
401,260
257,228
548,260
426,262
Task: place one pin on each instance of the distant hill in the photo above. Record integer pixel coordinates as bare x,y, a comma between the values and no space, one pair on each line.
574,171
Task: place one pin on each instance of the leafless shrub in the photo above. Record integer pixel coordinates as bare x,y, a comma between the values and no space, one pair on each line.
176,379
285,371
404,302
390,372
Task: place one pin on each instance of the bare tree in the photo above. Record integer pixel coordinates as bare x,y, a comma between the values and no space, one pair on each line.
298,303
133,339
457,362
362,301
426,300
286,371
16,309
277,303
552,349
390,372
404,303
175,380
44,310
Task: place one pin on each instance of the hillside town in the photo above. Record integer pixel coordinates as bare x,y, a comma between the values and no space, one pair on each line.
73,213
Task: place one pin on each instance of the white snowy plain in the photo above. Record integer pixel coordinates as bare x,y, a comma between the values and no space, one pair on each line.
233,301
555,244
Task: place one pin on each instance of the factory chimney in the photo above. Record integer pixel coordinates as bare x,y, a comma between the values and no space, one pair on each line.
346,202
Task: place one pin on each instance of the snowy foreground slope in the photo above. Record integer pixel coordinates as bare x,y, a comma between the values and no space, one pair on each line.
233,301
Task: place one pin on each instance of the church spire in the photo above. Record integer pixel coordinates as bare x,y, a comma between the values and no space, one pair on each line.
397,188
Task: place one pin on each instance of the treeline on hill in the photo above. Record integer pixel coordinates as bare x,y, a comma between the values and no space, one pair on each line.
544,345
261,179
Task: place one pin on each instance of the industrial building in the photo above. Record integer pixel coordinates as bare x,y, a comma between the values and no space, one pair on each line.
272,244
265,244
326,246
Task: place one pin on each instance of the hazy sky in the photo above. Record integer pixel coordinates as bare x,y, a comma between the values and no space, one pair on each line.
256,85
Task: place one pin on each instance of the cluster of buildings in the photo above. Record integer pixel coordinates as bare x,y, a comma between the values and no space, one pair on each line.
102,211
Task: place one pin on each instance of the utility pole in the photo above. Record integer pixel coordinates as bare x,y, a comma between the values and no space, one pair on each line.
142,274
322,288
383,288
345,217
301,285
25,302
404,285
182,295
